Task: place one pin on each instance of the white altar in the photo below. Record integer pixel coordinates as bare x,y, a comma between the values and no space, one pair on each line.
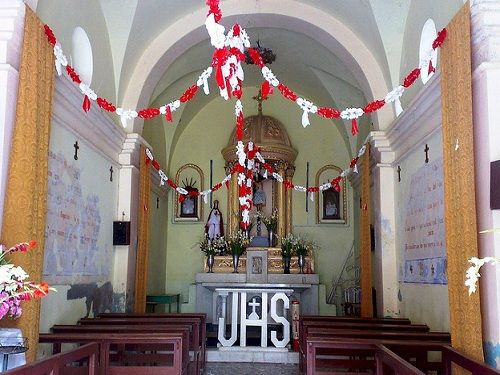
238,300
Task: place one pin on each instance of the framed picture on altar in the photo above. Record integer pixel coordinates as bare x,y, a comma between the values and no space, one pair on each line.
188,208
331,205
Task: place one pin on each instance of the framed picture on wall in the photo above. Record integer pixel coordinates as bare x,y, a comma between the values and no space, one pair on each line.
331,205
188,207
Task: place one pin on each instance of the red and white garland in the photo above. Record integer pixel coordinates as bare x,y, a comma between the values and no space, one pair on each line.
229,75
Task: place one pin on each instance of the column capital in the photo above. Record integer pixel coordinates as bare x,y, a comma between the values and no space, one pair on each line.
485,32
131,150
381,147
12,25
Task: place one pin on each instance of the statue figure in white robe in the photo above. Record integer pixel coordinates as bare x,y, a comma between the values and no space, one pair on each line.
215,225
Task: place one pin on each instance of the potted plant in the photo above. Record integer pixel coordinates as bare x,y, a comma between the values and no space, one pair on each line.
288,245
237,244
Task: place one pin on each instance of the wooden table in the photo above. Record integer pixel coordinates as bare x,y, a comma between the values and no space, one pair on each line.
166,299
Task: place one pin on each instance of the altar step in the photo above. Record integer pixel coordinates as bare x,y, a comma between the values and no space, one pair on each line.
253,352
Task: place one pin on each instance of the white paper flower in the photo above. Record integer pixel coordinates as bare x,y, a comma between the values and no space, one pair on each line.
126,114
203,79
395,94
278,177
181,190
238,108
325,186
270,77
300,188
351,113
163,177
86,90
307,107
361,151
60,60
472,274
216,32
149,154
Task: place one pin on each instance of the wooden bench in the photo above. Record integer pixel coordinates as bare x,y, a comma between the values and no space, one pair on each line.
195,366
58,364
373,334
362,356
132,354
352,324
201,318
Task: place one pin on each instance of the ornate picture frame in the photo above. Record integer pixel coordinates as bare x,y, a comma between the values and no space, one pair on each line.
189,208
331,206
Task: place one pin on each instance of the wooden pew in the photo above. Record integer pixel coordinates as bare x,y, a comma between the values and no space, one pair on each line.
354,357
373,334
199,319
384,357
57,364
195,367
118,352
368,324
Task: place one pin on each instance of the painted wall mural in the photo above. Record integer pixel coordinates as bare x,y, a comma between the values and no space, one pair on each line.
424,234
73,226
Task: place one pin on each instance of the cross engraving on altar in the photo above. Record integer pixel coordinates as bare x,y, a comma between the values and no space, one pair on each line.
254,304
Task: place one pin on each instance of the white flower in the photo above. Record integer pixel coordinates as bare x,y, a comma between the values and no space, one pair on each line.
86,90
325,186
472,274
216,32
394,94
181,190
278,177
163,177
351,113
300,188
60,60
126,114
361,151
307,107
149,154
203,79
269,76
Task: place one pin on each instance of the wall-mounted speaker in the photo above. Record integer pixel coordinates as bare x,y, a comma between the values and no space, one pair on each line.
495,185
121,233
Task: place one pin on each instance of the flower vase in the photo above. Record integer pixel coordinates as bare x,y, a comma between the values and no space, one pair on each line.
236,259
272,242
286,264
210,262
301,262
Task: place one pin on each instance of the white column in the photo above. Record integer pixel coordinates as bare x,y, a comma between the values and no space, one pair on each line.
11,37
385,257
485,26
128,198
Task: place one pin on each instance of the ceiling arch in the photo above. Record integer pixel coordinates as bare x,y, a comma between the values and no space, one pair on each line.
287,14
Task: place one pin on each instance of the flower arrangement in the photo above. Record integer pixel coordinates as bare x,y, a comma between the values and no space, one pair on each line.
238,242
218,246
304,247
288,245
271,222
13,285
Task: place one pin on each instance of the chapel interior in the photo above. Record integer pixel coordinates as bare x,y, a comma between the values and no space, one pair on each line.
123,169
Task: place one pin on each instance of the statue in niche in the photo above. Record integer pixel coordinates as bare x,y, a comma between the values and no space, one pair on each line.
215,225
331,199
259,196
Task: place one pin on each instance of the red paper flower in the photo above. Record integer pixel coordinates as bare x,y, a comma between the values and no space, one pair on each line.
50,35
182,198
171,184
328,112
86,104
266,89
104,104
256,57
353,162
188,94
287,93
214,9
148,113
73,74
410,78
439,39
374,106
217,187
32,244
156,165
